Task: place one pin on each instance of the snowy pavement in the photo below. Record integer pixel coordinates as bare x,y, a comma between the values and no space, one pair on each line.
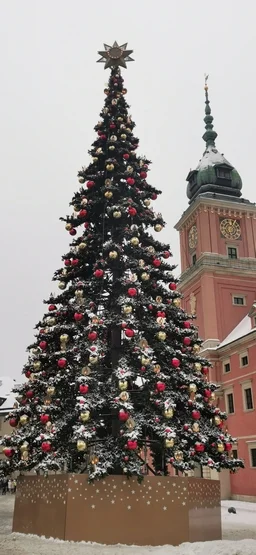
239,538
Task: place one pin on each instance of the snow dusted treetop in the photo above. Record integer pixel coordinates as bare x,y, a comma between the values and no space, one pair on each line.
115,370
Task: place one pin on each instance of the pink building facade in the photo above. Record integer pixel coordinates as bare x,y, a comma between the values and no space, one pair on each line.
218,282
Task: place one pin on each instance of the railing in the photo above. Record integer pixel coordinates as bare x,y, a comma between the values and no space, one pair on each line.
220,261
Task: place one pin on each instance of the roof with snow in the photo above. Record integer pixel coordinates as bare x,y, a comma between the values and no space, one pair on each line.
241,330
7,398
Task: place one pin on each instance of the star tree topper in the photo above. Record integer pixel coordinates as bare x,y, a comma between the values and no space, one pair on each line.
114,56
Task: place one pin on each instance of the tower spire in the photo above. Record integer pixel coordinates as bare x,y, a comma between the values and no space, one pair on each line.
209,135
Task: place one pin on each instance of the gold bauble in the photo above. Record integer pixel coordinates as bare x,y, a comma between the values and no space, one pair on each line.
37,365
110,167
108,194
127,309
24,419
64,338
141,263
24,447
86,371
134,241
145,361
196,348
48,426
129,169
24,456
99,150
157,368
93,359
113,255
79,293
217,420
220,447
62,285
168,413
84,201
130,424
120,118
68,227
124,396
195,427
178,455
94,460
108,183
151,249
169,443
161,335
213,396
81,445
85,416
145,276
51,321
50,390
147,202
81,246
158,299
123,136
160,321
76,208
158,227
176,302
198,366
111,147
117,214
95,159
122,385
192,388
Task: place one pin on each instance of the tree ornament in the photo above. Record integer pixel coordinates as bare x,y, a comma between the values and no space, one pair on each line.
78,316
82,246
192,388
124,396
129,333
123,416
81,445
134,241
93,359
196,415
198,366
123,136
186,324
123,385
24,419
161,335
145,360
228,446
156,262
220,447
160,386
62,285
84,201
186,341
85,416
44,418
29,394
83,388
92,336
132,444
169,443
143,175
110,167
175,362
217,420
168,413
130,181
90,184
108,194
51,307
46,446
147,202
127,309
13,422
81,179
64,338
37,365
126,156
176,302
166,254
195,427
158,227
72,231
62,363
178,455
51,321
117,214
132,211
199,447
8,452
82,213
132,292
145,276
68,227
172,286
98,273
196,348
50,390
113,255
24,447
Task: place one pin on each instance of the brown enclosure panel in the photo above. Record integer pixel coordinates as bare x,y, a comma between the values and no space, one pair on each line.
161,510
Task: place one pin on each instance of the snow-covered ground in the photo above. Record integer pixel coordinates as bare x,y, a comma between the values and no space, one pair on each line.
239,538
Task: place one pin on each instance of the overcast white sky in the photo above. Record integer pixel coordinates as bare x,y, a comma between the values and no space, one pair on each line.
51,95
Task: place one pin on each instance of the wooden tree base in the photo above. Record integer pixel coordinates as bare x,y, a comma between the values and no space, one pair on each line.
160,511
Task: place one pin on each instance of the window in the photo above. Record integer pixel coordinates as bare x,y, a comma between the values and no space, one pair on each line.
253,457
223,173
230,403
234,454
226,367
193,259
238,300
232,252
248,398
244,359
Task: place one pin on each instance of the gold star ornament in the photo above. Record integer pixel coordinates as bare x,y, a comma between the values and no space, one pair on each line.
114,56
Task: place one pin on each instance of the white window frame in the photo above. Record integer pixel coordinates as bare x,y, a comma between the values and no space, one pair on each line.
227,392
247,385
240,296
226,361
242,355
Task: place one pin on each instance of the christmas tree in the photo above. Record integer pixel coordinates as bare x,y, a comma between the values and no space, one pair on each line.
115,370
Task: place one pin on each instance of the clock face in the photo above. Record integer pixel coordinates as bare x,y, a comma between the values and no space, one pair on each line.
192,237
230,229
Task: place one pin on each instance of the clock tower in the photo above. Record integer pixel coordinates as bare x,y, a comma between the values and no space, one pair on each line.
217,243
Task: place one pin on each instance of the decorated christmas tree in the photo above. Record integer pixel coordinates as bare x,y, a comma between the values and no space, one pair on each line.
114,380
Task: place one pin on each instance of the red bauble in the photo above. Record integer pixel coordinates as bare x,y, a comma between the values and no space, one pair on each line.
72,231
44,418
199,447
8,452
67,262
126,458
132,444
112,126
29,394
129,333
207,393
78,316
103,137
90,184
150,307
160,386
43,345
126,156
46,446
92,335
86,225
98,273
205,370
172,286
132,292
186,341
132,211
123,416
186,427
228,446
13,422
82,213
74,262
51,307
186,324
160,314
157,262
175,362
83,388
154,196
196,415
143,175
166,254
62,363
130,181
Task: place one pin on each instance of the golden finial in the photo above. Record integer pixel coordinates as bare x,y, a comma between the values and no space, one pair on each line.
206,82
